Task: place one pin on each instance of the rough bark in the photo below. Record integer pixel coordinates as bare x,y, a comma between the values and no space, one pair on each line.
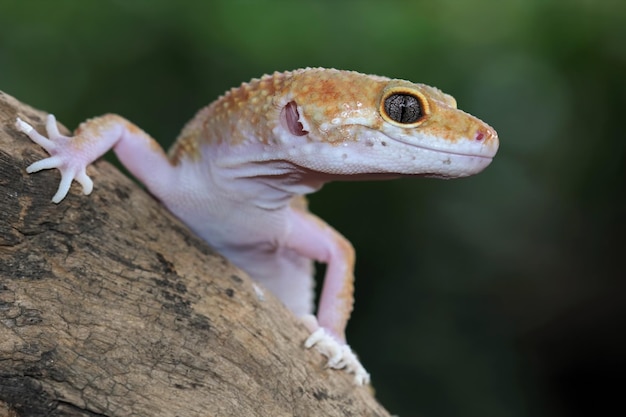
109,306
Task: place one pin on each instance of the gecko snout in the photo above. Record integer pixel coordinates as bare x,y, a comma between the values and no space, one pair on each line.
486,134
487,137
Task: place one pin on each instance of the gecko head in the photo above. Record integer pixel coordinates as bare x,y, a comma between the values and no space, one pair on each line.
374,125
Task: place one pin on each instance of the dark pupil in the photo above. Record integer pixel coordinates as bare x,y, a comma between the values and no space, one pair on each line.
403,108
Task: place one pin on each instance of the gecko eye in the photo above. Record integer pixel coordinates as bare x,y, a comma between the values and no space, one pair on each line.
404,107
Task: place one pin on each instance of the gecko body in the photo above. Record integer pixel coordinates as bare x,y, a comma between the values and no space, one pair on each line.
239,170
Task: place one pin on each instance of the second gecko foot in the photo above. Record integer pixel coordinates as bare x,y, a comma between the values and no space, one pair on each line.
340,356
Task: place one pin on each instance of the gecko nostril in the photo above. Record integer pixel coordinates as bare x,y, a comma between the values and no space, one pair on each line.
484,134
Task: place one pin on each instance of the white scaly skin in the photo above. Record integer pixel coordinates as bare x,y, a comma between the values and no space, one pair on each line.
238,172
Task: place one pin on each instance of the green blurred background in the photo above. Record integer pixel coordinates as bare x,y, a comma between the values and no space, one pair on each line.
497,295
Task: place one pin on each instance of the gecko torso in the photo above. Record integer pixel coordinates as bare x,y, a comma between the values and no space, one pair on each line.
238,171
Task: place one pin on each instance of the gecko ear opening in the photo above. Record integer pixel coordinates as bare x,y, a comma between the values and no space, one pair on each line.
290,119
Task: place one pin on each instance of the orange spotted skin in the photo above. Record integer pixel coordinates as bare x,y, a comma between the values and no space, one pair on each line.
250,112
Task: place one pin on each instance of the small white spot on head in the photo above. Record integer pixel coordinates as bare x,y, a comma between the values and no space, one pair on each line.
336,121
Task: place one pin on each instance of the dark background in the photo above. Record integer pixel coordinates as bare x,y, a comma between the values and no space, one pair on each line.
497,295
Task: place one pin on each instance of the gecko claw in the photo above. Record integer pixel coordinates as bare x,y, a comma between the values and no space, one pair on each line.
51,126
47,163
22,126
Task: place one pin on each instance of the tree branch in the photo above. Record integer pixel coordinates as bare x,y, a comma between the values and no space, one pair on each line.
109,306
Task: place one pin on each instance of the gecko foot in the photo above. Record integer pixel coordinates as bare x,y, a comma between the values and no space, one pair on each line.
340,356
64,155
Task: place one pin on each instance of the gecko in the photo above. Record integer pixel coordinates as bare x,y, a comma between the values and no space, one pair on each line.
239,172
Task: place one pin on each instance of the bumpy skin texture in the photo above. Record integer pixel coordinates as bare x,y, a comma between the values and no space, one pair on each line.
240,168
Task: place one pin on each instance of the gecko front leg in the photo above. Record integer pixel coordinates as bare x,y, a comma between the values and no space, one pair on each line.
71,155
314,239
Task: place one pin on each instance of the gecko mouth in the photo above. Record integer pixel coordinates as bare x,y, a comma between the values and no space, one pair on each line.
463,154
482,155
